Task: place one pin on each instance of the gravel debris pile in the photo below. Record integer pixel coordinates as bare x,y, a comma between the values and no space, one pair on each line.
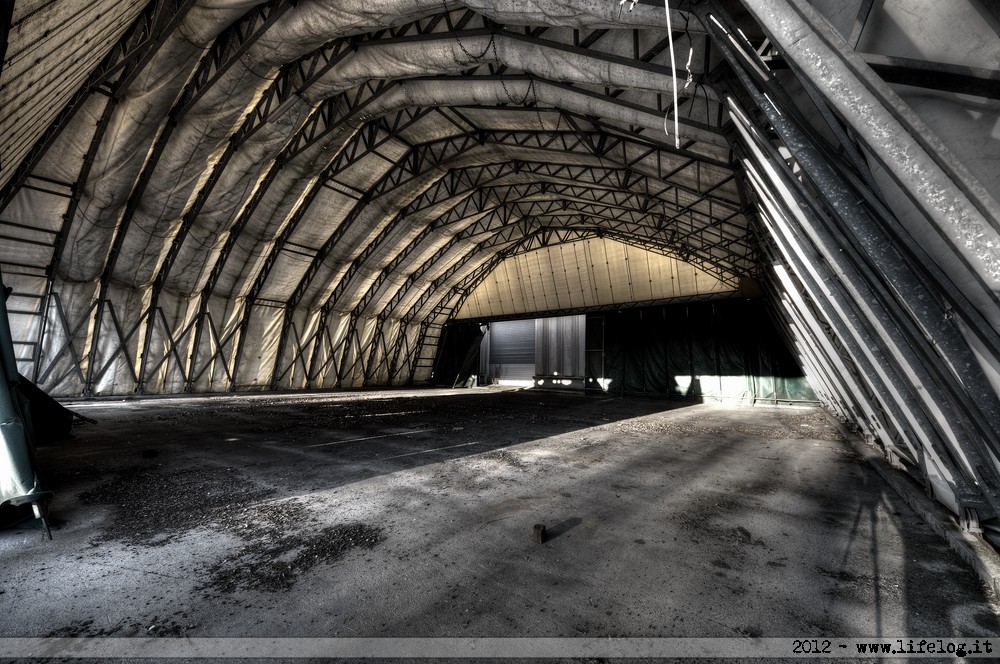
155,626
505,456
795,426
273,565
152,507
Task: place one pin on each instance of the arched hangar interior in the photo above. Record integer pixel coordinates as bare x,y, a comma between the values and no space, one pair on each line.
216,195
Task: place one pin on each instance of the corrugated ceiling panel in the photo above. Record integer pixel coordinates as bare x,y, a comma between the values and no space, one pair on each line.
576,258
38,209
288,268
687,278
638,261
565,271
530,280
587,273
557,277
662,279
492,294
502,287
600,271
53,47
432,127
618,274
325,214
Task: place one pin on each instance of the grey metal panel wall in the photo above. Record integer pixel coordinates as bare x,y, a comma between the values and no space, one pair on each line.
559,345
512,343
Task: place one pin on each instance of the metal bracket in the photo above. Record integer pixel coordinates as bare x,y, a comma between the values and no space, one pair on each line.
41,510
970,520
894,459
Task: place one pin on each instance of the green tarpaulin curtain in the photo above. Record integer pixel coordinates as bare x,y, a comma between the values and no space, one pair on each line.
726,350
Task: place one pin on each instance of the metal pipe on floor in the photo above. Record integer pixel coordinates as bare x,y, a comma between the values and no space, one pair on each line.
17,473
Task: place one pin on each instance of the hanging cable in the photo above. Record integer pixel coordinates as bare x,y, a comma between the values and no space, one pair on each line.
673,71
690,77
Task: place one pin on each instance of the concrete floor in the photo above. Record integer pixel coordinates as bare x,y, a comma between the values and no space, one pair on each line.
410,513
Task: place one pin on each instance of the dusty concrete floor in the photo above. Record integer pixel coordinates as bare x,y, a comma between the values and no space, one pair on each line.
411,514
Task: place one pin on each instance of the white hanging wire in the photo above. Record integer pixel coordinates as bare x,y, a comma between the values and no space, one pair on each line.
673,69
690,78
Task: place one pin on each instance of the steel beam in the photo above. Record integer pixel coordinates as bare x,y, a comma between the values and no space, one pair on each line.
974,81
923,304
960,79
956,206
393,179
878,315
577,199
864,12
228,48
870,364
